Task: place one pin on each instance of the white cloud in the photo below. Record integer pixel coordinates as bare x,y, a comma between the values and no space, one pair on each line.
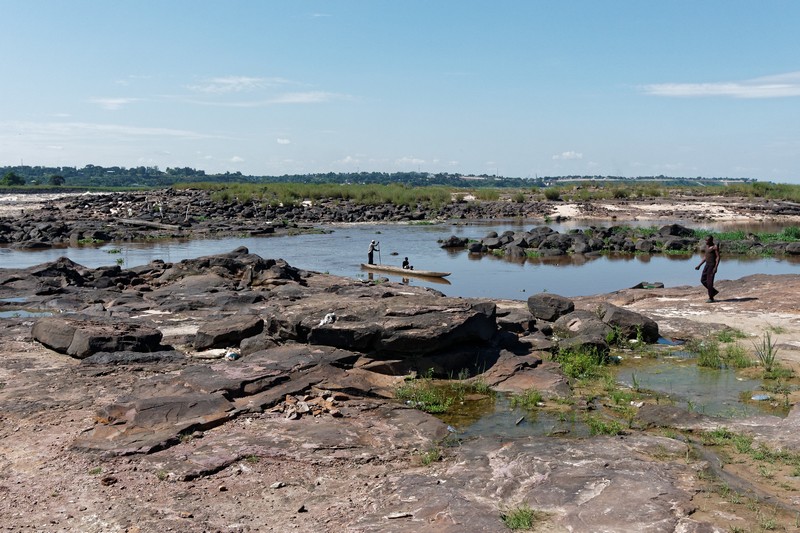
778,86
349,160
405,161
113,104
311,97
236,159
570,155
283,141
234,84
69,130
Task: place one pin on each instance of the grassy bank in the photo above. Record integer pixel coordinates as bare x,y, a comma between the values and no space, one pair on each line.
294,193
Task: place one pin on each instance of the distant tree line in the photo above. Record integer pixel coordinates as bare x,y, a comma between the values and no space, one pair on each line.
98,176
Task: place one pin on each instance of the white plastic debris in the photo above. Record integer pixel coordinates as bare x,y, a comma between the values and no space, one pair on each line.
330,318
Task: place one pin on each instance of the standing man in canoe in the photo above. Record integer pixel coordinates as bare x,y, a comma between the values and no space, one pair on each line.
373,247
711,259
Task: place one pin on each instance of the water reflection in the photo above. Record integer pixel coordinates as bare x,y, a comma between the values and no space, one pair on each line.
494,416
342,251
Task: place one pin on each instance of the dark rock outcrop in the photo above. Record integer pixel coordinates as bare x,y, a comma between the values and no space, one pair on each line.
549,307
82,338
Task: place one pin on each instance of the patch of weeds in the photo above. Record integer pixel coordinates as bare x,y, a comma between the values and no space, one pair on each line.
671,433
732,496
707,353
162,475
521,518
422,394
634,382
779,388
736,356
96,470
730,335
114,251
530,399
481,387
622,397
767,523
580,363
431,456
616,337
779,372
252,459
765,472
628,413
599,426
716,437
742,443
766,351
777,329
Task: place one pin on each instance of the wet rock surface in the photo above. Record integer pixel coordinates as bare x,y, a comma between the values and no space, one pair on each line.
299,430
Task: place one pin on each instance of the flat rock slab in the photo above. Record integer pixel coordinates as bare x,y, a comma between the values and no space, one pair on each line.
772,431
148,424
604,484
368,431
126,357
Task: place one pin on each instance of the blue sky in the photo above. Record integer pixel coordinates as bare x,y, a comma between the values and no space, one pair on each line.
517,88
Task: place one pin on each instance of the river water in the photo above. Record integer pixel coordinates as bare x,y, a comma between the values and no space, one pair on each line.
342,251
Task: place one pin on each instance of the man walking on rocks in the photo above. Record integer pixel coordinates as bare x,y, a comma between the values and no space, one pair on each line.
711,260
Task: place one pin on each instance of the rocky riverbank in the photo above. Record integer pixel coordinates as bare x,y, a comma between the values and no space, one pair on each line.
543,241
34,221
240,393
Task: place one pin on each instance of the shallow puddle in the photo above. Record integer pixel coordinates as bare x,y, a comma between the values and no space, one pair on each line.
23,313
672,377
496,416
720,392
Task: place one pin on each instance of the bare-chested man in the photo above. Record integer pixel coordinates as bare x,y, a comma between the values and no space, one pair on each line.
711,260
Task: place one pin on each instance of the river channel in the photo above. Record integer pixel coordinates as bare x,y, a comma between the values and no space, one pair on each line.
344,248
342,251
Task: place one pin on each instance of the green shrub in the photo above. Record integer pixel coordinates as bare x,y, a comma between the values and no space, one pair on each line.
737,357
527,400
599,426
522,517
552,194
431,456
422,394
580,363
707,353
791,233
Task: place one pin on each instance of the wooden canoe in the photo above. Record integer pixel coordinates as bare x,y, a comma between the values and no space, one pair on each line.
405,271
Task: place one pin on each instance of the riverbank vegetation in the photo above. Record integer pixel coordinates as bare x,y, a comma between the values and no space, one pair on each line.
551,188
289,194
